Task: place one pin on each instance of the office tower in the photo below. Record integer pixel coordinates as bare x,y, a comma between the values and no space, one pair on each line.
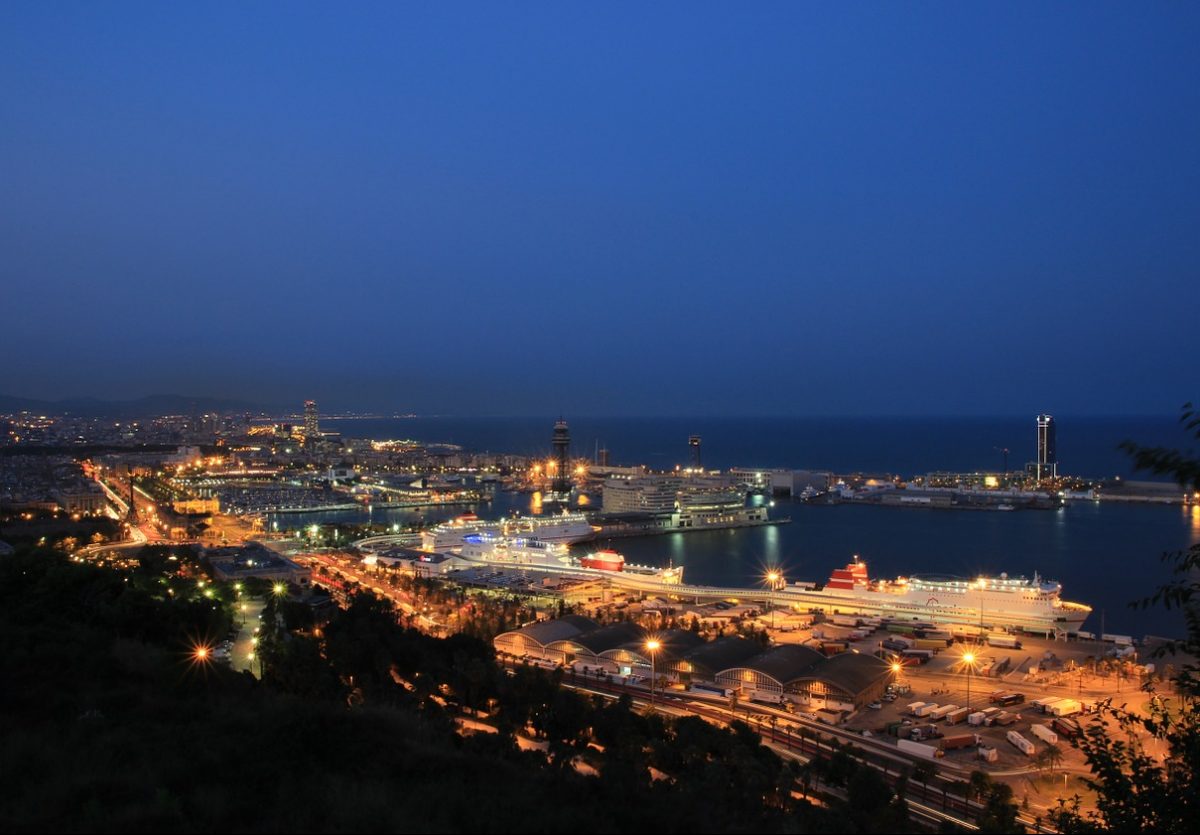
694,443
312,429
561,442
1047,450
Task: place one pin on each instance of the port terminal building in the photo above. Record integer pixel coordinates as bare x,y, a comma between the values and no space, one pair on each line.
780,482
255,560
785,673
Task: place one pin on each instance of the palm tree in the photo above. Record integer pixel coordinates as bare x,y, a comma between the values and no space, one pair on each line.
1051,758
978,784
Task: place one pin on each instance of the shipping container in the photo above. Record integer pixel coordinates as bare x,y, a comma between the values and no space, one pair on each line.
977,718
917,748
1041,704
931,644
958,716
943,711
1026,747
1066,707
1001,640
951,743
1004,718
986,754
925,709
1044,733
914,707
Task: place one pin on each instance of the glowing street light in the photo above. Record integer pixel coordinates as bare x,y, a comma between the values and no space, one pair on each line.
652,646
773,582
968,661
279,588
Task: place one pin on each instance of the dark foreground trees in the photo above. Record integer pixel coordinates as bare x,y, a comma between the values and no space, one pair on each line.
1146,771
110,722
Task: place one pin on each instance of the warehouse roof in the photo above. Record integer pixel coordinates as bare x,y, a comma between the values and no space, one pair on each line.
559,629
785,663
722,654
610,637
851,672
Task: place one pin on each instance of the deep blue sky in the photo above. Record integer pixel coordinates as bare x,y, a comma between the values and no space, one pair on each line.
607,208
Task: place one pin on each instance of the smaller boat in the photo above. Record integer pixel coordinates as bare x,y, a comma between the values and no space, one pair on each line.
604,561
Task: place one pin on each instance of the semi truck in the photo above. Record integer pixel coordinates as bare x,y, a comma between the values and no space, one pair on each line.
1066,727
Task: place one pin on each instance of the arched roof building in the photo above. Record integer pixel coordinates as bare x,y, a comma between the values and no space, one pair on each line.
673,645
532,640
706,660
767,675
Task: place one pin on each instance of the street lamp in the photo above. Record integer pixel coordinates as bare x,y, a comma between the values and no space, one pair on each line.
652,646
773,578
969,660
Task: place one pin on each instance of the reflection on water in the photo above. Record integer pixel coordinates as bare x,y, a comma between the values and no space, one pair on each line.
1104,554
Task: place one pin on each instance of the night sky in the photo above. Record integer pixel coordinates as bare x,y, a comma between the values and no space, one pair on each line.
605,208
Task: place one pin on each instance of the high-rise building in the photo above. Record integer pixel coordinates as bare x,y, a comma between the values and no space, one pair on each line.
1047,449
561,442
694,443
312,429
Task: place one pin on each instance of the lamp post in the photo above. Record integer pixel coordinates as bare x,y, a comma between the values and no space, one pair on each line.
969,659
652,647
772,584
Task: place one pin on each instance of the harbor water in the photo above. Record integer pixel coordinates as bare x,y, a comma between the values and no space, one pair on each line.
1106,555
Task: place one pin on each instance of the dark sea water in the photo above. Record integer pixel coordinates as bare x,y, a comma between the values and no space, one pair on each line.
1106,555
904,446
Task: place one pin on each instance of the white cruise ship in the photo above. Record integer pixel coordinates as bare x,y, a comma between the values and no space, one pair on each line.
999,602
522,551
564,528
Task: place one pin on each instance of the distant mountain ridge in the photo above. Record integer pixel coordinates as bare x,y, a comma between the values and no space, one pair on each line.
151,406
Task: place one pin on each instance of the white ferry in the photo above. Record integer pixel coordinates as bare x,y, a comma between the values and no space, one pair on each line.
563,528
997,602
521,551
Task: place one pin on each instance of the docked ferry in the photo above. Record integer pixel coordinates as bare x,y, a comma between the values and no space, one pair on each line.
563,528
997,602
532,553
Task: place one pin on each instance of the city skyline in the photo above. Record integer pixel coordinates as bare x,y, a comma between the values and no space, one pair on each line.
795,211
